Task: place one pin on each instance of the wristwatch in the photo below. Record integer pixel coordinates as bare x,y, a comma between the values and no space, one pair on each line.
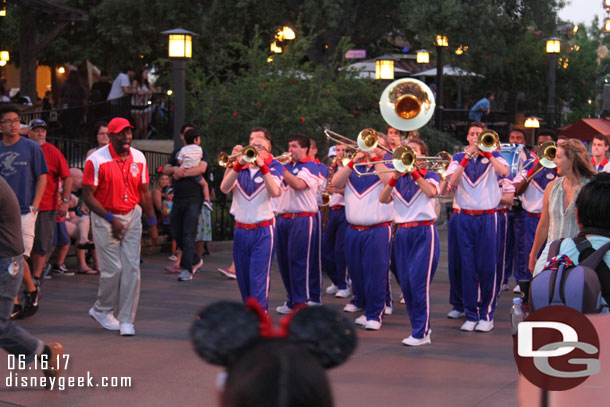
65,200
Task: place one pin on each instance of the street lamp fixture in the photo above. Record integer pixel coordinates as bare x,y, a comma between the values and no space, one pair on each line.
3,8
461,49
553,46
532,122
4,56
285,34
180,49
384,68
423,56
606,5
607,25
61,70
441,41
275,48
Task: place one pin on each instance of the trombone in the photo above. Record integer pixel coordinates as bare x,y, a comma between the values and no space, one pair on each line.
248,153
284,158
367,140
404,159
545,155
488,141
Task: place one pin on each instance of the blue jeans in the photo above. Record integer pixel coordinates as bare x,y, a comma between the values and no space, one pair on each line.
184,219
14,339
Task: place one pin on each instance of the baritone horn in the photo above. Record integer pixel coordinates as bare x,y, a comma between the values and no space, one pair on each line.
407,104
248,153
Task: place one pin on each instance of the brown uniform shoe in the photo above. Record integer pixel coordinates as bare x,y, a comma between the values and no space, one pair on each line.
55,361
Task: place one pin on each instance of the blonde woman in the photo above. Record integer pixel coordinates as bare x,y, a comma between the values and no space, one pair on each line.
558,219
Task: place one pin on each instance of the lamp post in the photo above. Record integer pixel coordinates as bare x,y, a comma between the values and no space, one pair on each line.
179,51
423,56
440,43
553,46
533,123
4,57
384,67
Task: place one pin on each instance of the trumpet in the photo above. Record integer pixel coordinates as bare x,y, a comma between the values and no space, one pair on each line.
284,158
405,160
248,153
488,141
367,140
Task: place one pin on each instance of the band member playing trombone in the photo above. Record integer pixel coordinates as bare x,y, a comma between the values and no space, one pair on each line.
368,235
475,175
416,245
253,183
333,237
296,223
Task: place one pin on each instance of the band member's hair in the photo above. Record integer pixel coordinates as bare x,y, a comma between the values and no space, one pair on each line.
266,132
518,130
313,143
191,135
577,154
477,124
186,126
593,202
603,138
302,140
392,127
421,143
548,132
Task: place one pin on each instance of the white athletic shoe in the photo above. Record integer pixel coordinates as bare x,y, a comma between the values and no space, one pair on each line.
185,275
468,326
360,321
455,314
372,325
485,326
332,289
517,289
314,304
346,292
283,309
105,319
349,307
127,329
411,341
388,310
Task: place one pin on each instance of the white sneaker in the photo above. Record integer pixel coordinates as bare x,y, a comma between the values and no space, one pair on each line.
360,321
227,273
105,319
388,310
197,266
505,287
314,304
283,309
468,326
331,289
455,314
372,325
485,326
346,292
127,329
402,299
411,341
349,307
172,257
185,275
517,289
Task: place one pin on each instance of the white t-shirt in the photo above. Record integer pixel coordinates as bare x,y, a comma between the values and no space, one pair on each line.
606,168
121,81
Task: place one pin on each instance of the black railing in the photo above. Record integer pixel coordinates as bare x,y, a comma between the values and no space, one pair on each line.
456,121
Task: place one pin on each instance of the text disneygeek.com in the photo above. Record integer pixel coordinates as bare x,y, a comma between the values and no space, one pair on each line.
18,367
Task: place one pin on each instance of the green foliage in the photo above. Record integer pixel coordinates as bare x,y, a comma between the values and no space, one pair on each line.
438,141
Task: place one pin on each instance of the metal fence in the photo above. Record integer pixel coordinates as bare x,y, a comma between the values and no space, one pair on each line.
456,121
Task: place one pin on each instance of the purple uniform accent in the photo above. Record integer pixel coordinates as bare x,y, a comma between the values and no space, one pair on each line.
454,265
333,248
502,247
515,263
253,254
417,250
477,236
368,259
294,255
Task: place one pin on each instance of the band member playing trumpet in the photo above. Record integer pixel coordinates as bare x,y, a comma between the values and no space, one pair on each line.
475,175
297,223
368,235
416,245
253,185
333,237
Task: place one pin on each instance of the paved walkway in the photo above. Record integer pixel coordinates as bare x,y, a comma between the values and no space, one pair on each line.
458,369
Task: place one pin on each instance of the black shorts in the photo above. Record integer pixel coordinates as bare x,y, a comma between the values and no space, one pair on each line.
43,232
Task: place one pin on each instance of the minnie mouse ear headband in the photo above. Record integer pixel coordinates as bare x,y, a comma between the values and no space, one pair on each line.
223,331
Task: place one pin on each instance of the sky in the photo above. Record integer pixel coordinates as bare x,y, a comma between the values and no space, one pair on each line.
583,11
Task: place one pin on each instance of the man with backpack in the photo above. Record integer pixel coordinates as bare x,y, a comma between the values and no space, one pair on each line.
555,283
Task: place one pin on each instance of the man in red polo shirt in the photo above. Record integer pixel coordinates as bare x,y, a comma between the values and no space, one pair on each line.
114,183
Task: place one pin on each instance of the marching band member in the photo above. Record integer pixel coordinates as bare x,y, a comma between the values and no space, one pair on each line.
454,260
367,237
315,269
503,224
296,223
530,186
476,173
333,237
253,185
599,148
416,245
